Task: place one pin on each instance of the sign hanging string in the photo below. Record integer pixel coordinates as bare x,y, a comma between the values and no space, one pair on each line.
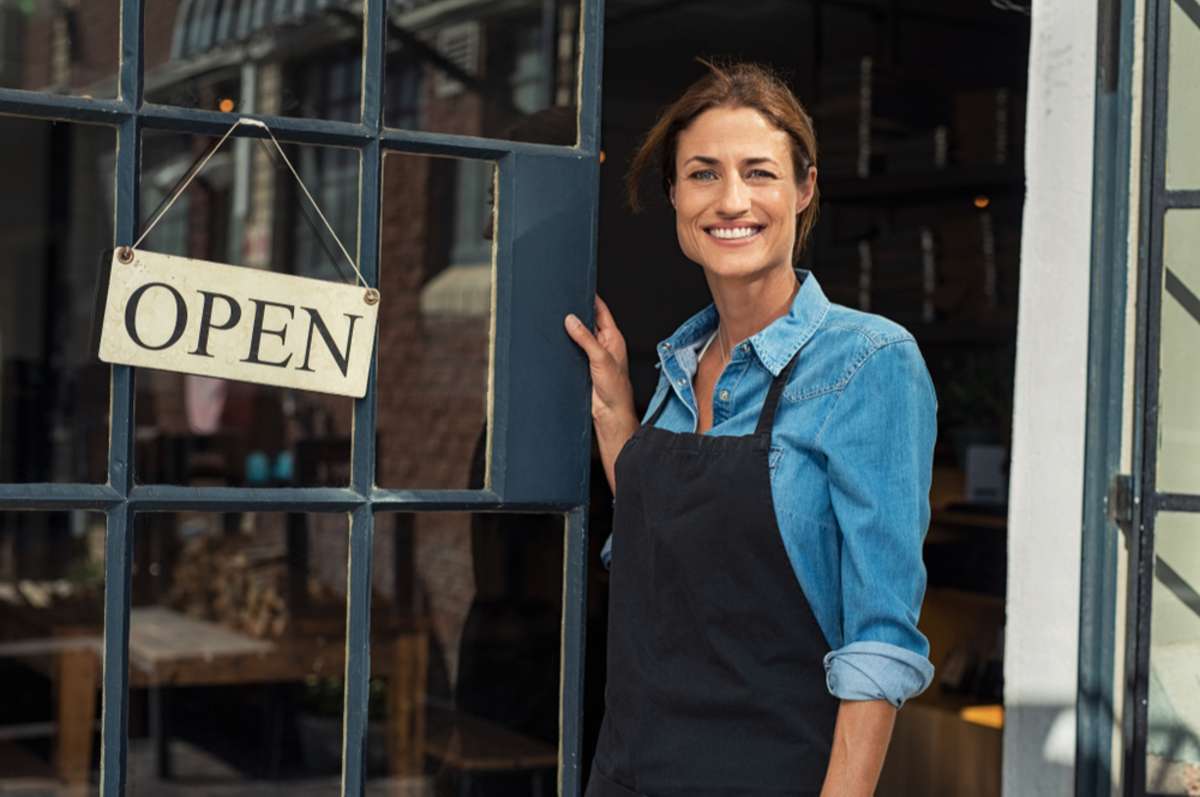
200,164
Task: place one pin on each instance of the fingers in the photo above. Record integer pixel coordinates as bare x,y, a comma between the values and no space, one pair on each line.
604,317
584,338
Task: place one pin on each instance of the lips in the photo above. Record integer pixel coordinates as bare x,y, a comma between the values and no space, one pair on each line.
738,233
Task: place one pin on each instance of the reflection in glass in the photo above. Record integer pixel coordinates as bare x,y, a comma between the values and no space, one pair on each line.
1173,741
51,627
55,220
60,47
237,653
245,208
1179,379
483,69
285,58
435,321
1183,101
466,632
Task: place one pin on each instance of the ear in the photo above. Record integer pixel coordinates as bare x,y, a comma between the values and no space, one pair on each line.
807,189
671,194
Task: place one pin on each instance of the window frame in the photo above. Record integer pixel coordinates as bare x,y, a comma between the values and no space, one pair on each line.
532,372
1146,500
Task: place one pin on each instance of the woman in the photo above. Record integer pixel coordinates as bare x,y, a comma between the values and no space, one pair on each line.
766,571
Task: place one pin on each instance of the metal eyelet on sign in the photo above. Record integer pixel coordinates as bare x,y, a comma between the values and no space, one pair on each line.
371,296
125,254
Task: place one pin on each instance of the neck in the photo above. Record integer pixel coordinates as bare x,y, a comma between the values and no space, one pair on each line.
748,305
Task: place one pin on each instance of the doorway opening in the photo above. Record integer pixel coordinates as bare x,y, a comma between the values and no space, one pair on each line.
919,113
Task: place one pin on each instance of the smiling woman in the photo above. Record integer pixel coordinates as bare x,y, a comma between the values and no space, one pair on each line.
773,503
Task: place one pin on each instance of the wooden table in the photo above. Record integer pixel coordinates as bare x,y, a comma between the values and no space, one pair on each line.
170,649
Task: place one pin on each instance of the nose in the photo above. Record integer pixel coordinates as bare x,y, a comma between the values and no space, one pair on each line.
735,197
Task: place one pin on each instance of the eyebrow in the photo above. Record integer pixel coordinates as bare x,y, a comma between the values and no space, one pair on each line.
709,161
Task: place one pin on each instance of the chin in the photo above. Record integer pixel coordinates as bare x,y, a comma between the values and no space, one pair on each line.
737,264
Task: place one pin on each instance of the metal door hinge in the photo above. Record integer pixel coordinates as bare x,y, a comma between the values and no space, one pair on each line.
1119,501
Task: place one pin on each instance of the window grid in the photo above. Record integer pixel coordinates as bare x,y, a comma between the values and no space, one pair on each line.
121,500
1148,501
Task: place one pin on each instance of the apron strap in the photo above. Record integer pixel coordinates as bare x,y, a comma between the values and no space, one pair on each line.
766,418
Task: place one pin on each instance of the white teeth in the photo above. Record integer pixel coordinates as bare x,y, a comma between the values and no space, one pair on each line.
728,233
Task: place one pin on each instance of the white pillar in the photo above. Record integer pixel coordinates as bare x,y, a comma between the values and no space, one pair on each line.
1046,493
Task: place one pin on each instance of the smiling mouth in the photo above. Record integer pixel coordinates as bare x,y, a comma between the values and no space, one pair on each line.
734,233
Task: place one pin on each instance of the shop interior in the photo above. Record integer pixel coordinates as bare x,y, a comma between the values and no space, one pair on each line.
919,110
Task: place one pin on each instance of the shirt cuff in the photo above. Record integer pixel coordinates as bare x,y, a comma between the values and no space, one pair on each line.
876,671
606,553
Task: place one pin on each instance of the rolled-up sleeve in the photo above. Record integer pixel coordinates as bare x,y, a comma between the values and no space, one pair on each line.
878,441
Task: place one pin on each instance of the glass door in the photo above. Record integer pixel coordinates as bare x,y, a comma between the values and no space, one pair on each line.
208,585
1162,700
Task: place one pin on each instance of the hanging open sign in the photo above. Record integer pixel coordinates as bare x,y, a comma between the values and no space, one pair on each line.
214,319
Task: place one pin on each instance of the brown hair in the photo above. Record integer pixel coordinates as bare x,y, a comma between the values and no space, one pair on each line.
732,85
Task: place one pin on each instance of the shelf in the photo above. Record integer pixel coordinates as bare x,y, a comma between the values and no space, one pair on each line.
949,182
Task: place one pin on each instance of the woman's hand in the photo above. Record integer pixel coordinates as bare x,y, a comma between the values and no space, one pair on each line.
612,393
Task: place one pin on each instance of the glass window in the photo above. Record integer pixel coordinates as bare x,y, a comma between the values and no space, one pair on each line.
1183,100
501,70
237,643
245,208
55,221
1179,379
466,634
435,322
279,58
51,632
60,47
1173,741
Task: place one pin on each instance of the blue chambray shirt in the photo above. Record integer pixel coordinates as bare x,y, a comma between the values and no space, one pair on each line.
851,461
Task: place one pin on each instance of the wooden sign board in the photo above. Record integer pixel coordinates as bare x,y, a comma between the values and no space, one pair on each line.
213,319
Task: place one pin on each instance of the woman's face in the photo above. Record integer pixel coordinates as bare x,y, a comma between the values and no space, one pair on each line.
735,193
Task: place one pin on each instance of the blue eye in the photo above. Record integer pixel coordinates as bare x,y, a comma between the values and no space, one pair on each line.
703,175
762,174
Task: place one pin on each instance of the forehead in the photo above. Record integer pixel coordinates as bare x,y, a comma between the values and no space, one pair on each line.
734,134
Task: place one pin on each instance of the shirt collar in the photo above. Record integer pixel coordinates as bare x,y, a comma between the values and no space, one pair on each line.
774,345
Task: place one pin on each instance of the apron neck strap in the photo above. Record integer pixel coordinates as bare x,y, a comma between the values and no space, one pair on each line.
766,418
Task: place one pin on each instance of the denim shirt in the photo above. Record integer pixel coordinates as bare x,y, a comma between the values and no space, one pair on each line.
851,459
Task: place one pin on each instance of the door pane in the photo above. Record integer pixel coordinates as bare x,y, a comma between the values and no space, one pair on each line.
501,70
56,217
435,322
278,58
237,654
1183,100
63,48
1173,743
466,633
51,627
1179,378
245,208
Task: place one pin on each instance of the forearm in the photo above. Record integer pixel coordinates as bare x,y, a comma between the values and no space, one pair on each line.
612,432
860,741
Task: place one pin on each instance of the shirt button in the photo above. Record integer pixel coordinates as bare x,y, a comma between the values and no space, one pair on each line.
724,395
681,382
745,347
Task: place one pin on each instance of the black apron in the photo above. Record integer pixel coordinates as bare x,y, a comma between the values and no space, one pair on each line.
715,679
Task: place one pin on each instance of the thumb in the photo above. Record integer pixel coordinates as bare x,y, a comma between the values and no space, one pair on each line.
584,338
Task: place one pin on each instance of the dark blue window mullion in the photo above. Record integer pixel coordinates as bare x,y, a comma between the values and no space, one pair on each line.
591,49
119,536
362,472
573,646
